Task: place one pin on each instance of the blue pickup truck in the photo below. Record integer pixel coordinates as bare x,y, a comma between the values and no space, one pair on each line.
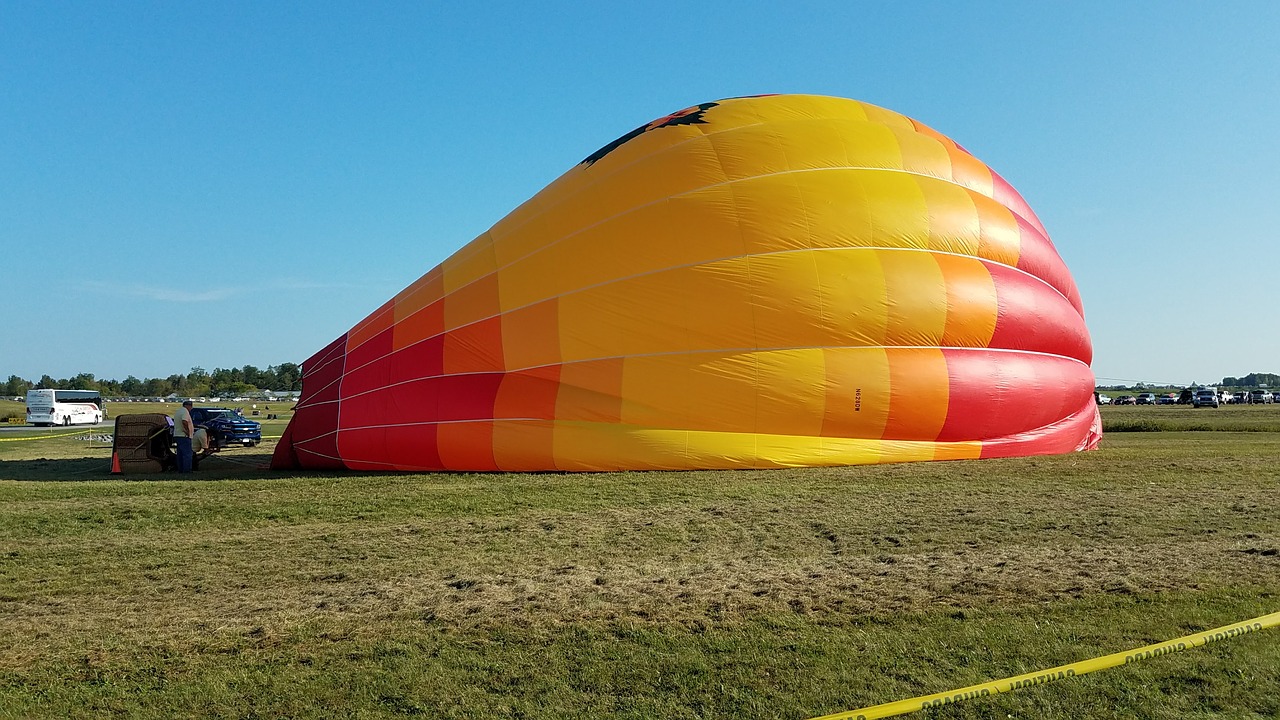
227,427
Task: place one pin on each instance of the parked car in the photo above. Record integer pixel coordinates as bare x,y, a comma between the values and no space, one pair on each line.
1126,400
1101,399
1205,398
1146,399
1239,398
227,427
1169,399
1258,397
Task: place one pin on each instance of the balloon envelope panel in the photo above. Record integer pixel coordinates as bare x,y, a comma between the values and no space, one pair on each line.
772,281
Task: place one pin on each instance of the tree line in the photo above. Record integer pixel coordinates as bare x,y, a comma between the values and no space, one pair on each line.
197,383
1253,380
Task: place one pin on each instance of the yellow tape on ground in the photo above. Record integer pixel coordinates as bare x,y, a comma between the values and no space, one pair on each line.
45,437
1062,672
82,432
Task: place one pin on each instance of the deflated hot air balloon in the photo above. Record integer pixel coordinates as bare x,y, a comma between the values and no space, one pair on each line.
784,280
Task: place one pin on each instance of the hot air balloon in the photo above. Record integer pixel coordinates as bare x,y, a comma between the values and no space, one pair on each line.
784,280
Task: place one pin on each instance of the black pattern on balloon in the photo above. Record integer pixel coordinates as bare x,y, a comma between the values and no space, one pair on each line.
687,116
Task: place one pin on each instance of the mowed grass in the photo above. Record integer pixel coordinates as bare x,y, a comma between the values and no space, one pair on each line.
757,594
1184,418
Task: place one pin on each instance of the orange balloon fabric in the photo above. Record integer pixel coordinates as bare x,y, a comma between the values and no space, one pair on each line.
785,280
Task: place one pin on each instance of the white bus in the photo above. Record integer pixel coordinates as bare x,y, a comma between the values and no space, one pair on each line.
64,407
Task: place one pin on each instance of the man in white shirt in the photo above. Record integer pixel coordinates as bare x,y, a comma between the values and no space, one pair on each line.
183,430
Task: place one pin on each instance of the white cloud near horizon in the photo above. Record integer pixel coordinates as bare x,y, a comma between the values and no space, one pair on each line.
166,294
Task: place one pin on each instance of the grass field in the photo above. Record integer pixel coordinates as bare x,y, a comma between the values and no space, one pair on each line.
755,594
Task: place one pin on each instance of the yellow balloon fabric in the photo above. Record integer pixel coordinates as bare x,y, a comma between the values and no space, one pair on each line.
784,280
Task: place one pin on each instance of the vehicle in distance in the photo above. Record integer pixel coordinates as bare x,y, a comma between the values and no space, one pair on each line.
1169,399
1258,397
64,407
1205,398
1146,399
1239,398
227,427
1125,400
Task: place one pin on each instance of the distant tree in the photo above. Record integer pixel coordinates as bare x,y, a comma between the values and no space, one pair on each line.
177,384
1253,380
83,381
250,375
237,388
288,377
232,381
16,386
197,382
157,387
267,379
222,379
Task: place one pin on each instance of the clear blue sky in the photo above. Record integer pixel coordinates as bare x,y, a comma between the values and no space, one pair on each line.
221,184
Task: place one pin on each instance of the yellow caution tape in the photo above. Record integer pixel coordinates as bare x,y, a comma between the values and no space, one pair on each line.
43,437
83,432
1062,672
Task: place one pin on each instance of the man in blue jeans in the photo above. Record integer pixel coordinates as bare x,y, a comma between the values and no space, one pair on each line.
183,430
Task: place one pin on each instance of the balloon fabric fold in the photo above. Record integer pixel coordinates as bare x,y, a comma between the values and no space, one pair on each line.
784,280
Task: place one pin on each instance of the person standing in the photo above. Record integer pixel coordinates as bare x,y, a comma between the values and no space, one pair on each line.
183,430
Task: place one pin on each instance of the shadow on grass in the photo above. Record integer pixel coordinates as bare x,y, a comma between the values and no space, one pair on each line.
219,466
